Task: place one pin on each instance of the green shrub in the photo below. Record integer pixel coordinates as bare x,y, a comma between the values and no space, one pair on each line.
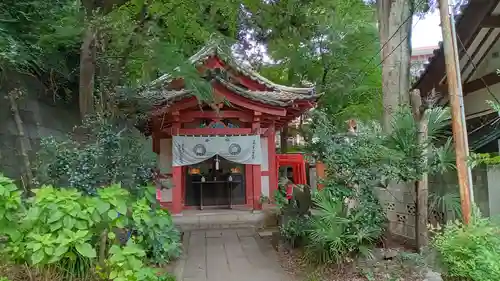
294,230
156,232
126,264
469,252
336,234
103,154
61,228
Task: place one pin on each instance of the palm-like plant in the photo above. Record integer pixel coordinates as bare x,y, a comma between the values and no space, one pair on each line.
404,141
335,234
432,156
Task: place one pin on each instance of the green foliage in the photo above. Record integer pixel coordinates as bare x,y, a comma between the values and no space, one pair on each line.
61,227
469,251
156,232
280,198
33,34
295,229
477,159
349,218
336,233
331,44
125,264
447,203
109,154
10,207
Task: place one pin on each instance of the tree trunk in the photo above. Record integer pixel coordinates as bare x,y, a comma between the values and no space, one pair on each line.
13,96
421,186
284,139
395,19
422,191
87,72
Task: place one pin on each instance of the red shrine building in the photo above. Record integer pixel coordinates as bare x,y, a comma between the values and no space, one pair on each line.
223,153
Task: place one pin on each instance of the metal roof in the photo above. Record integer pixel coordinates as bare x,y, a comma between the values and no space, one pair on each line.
478,34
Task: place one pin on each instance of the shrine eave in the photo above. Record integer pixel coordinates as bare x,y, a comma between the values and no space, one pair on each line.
214,49
274,98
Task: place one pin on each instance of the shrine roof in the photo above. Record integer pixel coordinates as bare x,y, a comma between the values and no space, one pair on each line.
277,95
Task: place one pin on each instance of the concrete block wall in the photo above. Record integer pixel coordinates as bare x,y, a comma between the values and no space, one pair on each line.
399,200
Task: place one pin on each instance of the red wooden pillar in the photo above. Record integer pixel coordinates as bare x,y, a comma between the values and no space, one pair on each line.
177,176
257,187
271,151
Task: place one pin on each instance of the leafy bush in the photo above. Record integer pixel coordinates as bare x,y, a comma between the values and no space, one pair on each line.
125,264
156,232
294,230
62,228
469,252
106,153
336,233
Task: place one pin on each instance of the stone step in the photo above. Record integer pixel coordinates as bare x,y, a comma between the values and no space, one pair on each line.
219,220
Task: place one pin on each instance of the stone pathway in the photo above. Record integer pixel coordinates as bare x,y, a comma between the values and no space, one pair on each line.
228,255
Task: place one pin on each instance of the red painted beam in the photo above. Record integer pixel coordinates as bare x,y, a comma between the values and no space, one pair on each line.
177,106
216,131
242,116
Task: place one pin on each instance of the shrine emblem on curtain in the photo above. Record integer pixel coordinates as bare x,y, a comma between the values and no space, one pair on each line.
192,150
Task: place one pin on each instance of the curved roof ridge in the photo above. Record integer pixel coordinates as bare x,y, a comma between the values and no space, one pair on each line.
213,47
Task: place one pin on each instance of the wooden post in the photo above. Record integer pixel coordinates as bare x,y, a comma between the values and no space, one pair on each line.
455,100
257,177
176,180
421,185
271,152
320,173
249,185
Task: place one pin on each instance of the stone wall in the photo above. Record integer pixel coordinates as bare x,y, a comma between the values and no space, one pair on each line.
42,114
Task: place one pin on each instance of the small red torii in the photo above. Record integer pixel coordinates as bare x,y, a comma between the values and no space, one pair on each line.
298,164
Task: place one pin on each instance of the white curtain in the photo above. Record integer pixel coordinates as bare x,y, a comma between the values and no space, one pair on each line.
192,150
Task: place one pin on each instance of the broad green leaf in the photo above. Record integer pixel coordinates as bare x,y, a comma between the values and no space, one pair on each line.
121,207
56,226
96,217
82,225
102,206
37,257
61,250
134,263
36,246
112,214
86,250
69,222
55,216
49,250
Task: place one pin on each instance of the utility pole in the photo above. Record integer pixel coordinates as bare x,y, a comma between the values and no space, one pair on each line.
455,96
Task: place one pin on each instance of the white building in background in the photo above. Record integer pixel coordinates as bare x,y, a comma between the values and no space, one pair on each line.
420,58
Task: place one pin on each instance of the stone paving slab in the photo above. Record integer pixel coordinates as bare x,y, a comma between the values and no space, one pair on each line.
228,255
